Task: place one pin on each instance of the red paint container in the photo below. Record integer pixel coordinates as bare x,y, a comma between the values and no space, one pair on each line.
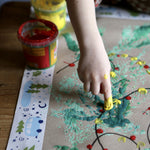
39,43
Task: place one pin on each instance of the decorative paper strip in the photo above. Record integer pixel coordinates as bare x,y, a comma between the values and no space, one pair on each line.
29,123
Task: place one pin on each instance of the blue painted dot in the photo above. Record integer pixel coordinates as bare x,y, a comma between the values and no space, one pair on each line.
25,115
14,140
37,112
39,101
39,130
40,121
49,74
33,108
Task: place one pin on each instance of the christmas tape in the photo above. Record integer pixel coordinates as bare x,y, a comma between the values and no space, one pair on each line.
29,122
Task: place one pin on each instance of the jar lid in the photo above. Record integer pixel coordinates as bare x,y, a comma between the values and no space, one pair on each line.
37,32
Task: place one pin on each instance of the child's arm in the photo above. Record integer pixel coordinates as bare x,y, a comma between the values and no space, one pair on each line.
94,63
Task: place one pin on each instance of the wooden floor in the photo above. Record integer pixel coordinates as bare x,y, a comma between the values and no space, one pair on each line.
12,63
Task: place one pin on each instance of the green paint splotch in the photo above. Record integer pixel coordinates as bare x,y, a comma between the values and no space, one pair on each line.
132,38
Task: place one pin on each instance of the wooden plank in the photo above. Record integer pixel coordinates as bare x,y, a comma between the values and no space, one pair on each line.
12,63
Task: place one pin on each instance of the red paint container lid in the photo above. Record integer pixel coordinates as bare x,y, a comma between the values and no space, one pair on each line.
37,33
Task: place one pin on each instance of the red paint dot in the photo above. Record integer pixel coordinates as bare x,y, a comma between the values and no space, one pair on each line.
133,137
116,68
101,110
72,65
118,55
146,66
105,149
99,131
148,108
128,97
89,146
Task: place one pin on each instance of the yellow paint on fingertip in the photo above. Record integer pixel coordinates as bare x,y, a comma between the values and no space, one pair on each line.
105,76
108,104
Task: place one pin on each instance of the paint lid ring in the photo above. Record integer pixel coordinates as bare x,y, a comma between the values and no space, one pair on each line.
37,33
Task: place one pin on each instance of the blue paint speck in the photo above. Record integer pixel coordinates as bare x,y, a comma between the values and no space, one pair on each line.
40,121
39,130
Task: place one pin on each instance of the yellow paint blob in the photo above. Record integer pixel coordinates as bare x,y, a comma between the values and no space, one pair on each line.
112,74
141,63
111,54
105,76
117,101
98,121
124,55
134,58
142,91
108,104
123,139
51,10
148,72
139,144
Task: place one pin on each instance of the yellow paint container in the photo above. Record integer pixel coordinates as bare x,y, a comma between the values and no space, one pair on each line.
51,10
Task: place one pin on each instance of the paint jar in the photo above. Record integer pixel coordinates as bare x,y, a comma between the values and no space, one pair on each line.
39,43
51,10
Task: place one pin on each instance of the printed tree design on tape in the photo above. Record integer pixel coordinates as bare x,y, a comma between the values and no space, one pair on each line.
32,148
34,88
117,117
37,73
20,127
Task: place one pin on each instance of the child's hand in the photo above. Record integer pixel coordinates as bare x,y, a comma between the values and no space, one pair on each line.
94,68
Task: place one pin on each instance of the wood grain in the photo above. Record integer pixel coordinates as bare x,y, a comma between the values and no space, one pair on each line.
12,63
